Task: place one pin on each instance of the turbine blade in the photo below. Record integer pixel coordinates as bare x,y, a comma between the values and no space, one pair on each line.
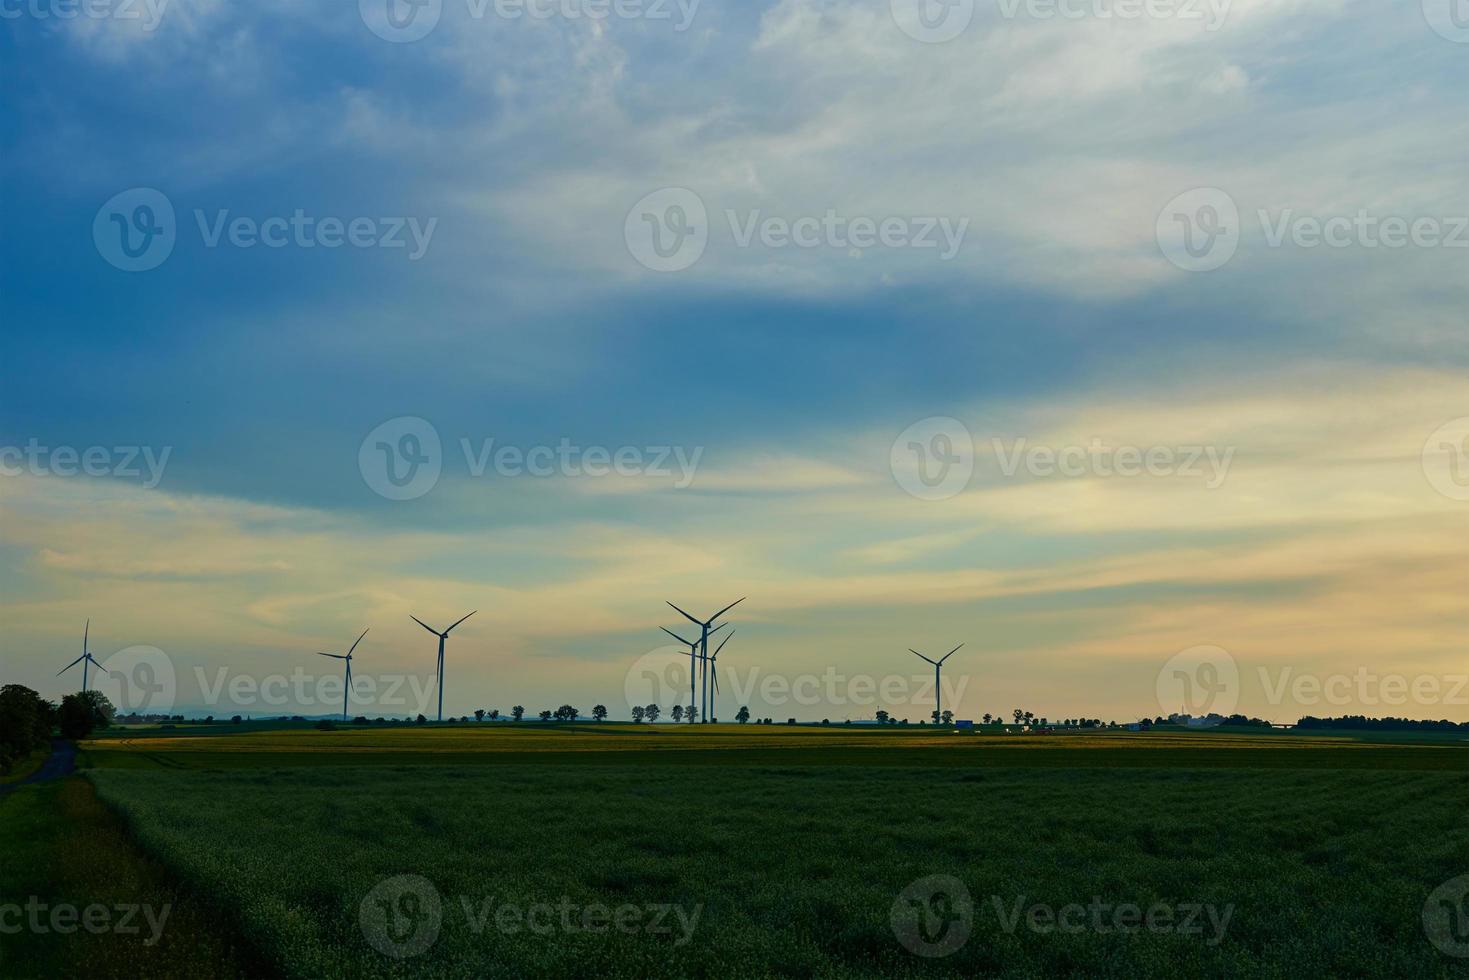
354,645
716,678
334,656
723,642
71,665
460,620
686,615
676,636
86,632
93,661
718,628
423,624
727,608
951,653
917,654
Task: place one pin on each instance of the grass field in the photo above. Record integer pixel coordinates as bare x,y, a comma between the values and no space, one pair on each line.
784,851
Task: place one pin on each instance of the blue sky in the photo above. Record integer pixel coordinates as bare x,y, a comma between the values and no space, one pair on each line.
527,145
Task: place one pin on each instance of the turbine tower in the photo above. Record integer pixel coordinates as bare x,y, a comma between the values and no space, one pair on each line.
938,691
704,628
442,637
348,658
86,659
693,646
714,666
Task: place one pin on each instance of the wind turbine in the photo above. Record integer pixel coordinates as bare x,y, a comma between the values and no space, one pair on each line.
348,658
714,665
704,645
86,659
693,646
938,691
442,637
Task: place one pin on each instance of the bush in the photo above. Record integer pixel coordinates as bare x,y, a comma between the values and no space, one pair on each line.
326,725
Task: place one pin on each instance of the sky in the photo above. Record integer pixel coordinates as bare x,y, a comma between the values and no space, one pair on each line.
1120,342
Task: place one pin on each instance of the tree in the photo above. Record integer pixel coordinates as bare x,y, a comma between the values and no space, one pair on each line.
599,712
235,719
691,713
518,712
1018,715
651,712
479,714
546,715
882,717
494,714
948,717
678,712
567,713
420,720
987,717
934,714
25,723
637,713
83,713
743,716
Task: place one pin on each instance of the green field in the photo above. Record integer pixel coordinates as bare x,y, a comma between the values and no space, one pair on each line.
774,851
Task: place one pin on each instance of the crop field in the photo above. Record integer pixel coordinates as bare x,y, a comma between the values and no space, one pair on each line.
378,852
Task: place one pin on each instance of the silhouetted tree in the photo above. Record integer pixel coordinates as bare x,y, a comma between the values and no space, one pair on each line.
518,711
25,723
882,717
420,720
494,714
651,712
678,712
948,717
479,714
546,715
743,715
637,713
567,713
82,713
599,712
691,713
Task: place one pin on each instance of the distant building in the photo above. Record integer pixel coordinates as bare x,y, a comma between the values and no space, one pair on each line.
964,724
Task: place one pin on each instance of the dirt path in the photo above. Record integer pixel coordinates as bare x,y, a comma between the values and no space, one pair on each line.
61,762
